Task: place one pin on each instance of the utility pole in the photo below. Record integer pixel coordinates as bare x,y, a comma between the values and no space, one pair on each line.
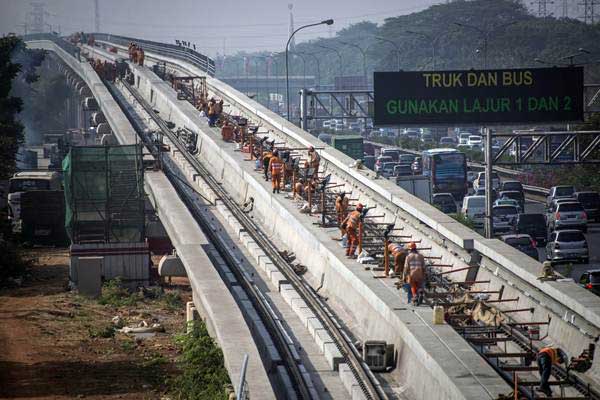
291,28
37,15
96,16
565,8
542,9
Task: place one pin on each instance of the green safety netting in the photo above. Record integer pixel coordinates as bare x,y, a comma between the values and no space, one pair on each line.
104,194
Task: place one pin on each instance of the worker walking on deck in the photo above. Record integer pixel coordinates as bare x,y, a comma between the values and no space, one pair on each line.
546,358
276,168
314,159
351,225
414,273
341,209
398,254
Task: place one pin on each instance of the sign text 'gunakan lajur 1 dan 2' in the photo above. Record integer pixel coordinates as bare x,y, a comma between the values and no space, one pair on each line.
479,97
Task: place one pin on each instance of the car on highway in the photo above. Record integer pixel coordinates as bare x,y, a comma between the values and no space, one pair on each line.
523,243
567,215
591,280
402,170
406,159
412,133
471,175
591,204
445,202
508,202
417,166
513,195
481,192
463,137
447,141
533,225
427,138
380,161
567,245
511,186
475,140
473,207
387,169
505,218
479,182
559,192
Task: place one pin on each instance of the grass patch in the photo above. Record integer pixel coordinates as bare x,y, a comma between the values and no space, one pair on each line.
202,370
114,294
104,331
173,300
463,219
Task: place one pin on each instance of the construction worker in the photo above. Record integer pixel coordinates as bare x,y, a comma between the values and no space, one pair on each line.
546,358
267,154
351,225
414,273
398,254
341,210
314,159
276,168
141,56
212,112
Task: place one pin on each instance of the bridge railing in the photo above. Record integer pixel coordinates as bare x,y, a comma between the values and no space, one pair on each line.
201,61
59,41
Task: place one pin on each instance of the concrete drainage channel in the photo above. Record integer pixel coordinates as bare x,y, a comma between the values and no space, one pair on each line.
334,344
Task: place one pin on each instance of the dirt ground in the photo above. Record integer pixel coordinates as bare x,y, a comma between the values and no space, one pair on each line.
53,343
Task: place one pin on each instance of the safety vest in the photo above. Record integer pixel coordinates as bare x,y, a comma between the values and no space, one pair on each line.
551,351
353,219
276,165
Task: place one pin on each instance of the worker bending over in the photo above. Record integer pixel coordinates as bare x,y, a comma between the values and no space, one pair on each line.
546,358
398,254
314,159
351,225
276,167
414,273
265,159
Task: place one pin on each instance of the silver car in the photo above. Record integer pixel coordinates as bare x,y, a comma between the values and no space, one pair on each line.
505,218
567,245
567,215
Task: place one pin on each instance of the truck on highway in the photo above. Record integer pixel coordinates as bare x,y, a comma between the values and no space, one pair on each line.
447,170
27,181
417,185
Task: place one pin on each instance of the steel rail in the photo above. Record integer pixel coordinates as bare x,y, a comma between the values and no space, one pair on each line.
365,379
217,241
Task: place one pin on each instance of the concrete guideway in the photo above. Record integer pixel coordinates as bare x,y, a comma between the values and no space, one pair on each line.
458,373
223,316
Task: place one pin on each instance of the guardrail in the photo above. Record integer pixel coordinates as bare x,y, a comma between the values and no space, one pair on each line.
60,42
201,61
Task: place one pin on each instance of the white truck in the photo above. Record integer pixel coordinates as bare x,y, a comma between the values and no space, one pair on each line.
417,185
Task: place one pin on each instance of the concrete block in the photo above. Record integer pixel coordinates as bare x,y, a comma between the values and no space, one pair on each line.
231,279
239,293
286,383
250,311
297,304
332,355
289,295
89,275
277,278
274,355
313,324
270,268
322,337
357,393
347,378
306,376
305,314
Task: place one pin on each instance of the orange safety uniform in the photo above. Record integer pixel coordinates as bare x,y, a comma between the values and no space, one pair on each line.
341,208
414,271
399,255
552,352
351,223
276,167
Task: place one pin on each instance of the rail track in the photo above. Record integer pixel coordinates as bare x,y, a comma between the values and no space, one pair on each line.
365,378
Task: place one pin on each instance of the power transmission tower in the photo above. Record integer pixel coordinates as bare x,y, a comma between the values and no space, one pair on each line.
542,6
37,15
291,30
96,16
565,8
588,11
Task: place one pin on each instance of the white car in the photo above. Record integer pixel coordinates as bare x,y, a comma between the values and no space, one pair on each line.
475,140
479,182
473,207
463,137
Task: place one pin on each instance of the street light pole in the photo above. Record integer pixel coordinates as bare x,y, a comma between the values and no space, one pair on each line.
301,55
395,46
338,54
287,45
431,39
485,34
318,66
364,55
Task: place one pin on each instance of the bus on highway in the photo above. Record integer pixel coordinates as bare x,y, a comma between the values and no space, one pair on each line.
447,169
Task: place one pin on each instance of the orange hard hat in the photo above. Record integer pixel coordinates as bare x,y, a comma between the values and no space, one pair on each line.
412,246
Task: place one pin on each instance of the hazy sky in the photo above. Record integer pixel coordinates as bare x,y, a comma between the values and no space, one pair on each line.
233,24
